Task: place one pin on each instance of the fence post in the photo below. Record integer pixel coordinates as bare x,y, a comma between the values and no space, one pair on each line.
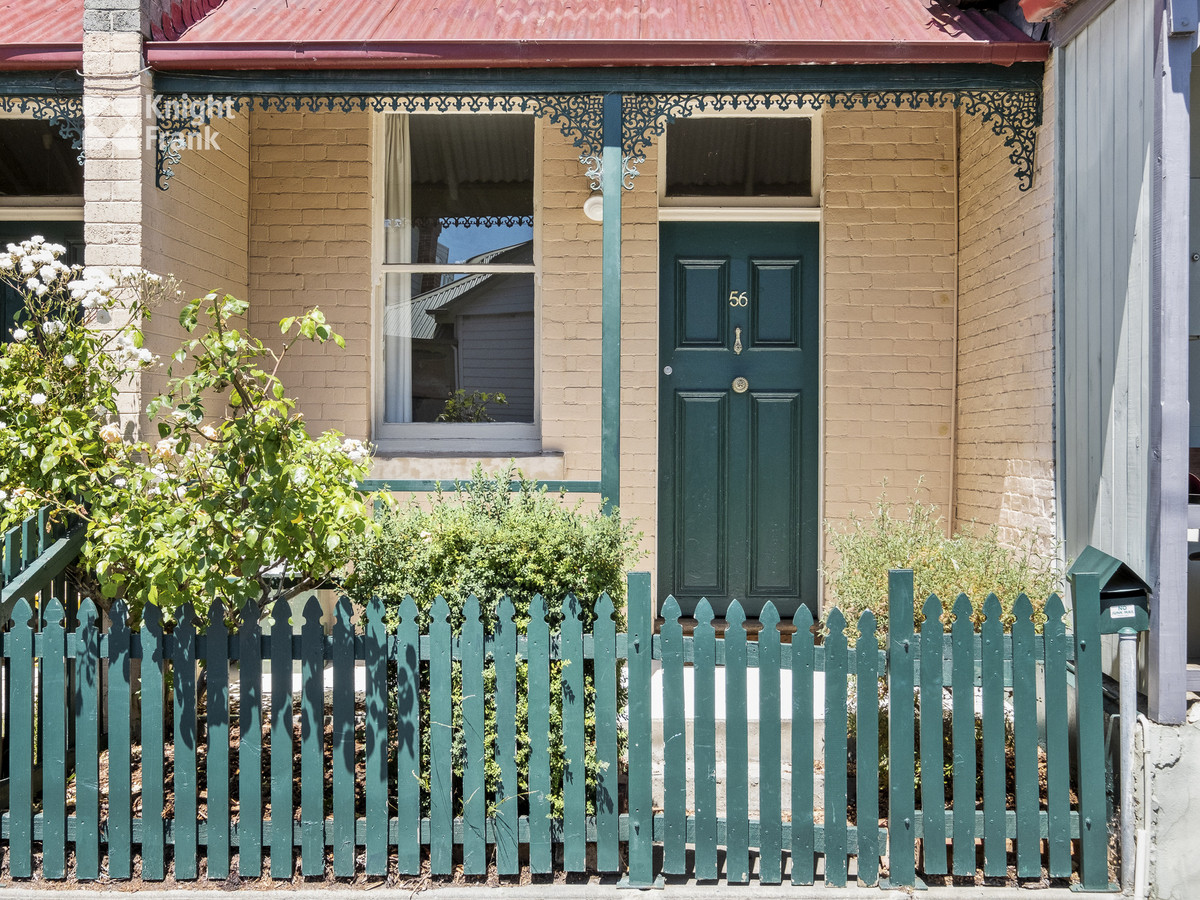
901,731
641,804
1093,828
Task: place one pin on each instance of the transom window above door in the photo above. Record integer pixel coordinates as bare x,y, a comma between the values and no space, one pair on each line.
725,160
458,317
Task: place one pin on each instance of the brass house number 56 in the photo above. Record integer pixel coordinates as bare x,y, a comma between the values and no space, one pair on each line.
738,298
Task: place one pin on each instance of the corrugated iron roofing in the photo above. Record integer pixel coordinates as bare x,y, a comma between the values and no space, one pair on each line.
902,21
586,32
41,22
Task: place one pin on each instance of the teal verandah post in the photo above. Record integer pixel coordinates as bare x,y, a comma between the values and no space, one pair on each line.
901,729
1093,828
611,179
641,801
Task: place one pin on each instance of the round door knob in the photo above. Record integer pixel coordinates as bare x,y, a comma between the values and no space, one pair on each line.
740,385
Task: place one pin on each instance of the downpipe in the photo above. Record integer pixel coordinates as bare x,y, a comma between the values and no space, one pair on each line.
1128,706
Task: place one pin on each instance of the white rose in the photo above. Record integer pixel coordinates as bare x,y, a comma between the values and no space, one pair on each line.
19,334
70,361
209,432
110,433
38,399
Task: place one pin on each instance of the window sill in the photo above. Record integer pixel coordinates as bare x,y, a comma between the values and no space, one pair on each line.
394,464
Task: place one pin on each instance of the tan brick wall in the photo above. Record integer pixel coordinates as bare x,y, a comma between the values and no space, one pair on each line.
196,230
1004,466
310,245
889,228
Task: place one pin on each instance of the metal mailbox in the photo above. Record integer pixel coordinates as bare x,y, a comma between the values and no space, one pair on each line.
1124,597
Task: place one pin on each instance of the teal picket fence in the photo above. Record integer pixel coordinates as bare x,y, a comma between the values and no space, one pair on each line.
167,751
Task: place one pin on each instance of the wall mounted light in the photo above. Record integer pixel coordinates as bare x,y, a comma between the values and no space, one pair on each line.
593,207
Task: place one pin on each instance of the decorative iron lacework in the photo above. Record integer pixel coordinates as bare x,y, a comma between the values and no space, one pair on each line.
469,221
181,118
62,112
1014,114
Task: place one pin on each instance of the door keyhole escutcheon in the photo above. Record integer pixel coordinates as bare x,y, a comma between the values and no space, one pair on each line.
737,340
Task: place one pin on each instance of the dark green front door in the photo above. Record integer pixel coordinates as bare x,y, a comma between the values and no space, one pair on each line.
738,415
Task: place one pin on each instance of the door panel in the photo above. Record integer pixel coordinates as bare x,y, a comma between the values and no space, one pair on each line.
737,485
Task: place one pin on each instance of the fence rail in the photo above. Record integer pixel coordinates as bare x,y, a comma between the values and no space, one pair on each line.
199,763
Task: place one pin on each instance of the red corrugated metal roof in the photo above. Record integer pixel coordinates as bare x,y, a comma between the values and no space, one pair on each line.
37,34
430,33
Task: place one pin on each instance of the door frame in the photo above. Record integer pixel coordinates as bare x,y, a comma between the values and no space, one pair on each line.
738,215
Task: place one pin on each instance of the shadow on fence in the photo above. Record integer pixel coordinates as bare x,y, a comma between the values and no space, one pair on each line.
219,768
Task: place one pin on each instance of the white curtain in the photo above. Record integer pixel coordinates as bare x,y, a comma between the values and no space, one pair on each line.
397,324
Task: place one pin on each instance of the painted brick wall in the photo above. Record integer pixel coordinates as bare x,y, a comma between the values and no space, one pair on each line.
890,218
310,245
196,230
1005,442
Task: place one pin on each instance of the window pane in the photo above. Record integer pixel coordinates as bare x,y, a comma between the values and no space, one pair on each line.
459,347
471,187
733,157
35,161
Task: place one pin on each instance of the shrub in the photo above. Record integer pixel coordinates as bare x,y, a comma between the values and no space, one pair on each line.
967,563
490,541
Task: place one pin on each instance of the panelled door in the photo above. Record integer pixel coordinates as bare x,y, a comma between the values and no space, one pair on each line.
738,323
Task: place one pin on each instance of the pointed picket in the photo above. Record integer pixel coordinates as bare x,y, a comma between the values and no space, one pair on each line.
282,726
408,741
187,812
737,750
19,642
54,742
86,708
770,749
441,743
216,644
312,736
704,737
1058,761
574,784
902,737
474,808
153,787
342,751
933,786
1025,741
376,779
866,778
538,683
120,741
803,764
250,803
962,735
674,743
505,824
641,789
836,787
607,761
995,859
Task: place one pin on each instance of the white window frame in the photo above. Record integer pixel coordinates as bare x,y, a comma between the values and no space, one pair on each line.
748,209
453,438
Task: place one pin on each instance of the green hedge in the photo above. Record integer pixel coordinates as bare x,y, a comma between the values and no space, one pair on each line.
488,540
